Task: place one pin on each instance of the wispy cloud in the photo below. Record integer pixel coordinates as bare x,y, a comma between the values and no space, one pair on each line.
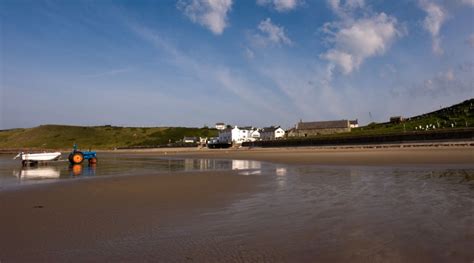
280,5
467,2
444,83
345,8
249,54
270,33
220,76
209,13
470,41
434,20
111,72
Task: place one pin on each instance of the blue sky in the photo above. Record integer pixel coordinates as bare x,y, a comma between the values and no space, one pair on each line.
252,62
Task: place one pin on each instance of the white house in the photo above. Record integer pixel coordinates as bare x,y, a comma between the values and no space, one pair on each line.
272,133
220,126
225,135
255,134
238,135
354,123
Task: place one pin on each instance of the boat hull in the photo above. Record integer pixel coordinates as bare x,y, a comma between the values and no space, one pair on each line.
38,157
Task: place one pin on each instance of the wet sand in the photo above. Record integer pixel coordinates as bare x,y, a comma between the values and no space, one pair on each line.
66,220
295,213
334,156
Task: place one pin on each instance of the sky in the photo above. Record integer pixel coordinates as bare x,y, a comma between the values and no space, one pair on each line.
243,62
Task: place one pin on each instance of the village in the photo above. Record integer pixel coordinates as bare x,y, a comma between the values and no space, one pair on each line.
229,135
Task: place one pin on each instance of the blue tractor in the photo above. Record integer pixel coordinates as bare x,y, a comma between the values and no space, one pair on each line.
77,157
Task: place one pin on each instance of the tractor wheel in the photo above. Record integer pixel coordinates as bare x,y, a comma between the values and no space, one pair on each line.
93,160
76,158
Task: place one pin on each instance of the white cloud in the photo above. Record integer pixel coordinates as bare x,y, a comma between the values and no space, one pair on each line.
344,60
358,40
433,21
271,34
280,5
209,13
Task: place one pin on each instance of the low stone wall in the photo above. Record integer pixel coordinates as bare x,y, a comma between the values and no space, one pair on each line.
425,136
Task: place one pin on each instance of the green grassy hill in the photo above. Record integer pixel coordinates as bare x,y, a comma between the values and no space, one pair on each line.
99,137
109,137
451,123
457,116
454,117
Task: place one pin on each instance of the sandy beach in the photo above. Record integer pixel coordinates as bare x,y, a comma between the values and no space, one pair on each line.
412,154
296,213
60,221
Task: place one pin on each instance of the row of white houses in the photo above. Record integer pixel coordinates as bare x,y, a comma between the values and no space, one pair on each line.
238,135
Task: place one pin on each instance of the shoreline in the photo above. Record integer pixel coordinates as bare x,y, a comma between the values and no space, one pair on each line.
376,155
435,144
442,153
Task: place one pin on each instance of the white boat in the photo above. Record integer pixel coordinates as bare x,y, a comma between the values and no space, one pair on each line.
38,157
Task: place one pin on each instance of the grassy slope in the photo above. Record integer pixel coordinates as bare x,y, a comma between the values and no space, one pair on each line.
101,137
458,116
107,137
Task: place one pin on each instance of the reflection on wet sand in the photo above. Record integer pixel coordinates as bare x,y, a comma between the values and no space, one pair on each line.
281,176
80,170
245,167
53,172
27,173
122,165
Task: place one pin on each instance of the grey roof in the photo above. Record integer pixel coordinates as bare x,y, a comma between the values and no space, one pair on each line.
270,129
322,125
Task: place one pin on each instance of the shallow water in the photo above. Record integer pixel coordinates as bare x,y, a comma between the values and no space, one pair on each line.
12,174
301,213
353,214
